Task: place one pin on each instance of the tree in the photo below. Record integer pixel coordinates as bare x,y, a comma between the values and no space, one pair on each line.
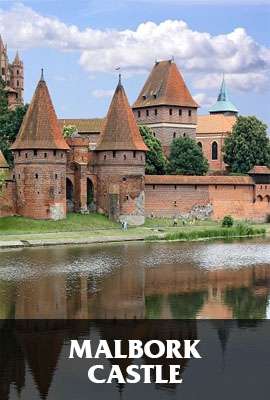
69,130
3,98
155,160
10,123
186,158
247,146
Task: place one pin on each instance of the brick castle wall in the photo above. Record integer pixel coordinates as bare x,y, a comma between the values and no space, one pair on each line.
8,199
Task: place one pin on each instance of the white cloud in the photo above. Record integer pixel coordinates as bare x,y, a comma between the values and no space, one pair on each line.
206,56
102,93
204,100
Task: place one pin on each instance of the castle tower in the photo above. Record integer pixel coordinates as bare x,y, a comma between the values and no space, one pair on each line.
120,165
4,65
223,105
166,105
17,77
40,160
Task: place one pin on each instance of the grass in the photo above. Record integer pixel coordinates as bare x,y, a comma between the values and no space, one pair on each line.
168,222
73,223
240,230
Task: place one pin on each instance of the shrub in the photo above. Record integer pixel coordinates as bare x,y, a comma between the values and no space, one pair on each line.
227,221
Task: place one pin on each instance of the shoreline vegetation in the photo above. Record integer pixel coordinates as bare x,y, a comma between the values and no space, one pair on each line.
95,228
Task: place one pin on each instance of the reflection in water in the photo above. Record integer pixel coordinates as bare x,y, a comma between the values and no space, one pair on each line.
134,281
137,281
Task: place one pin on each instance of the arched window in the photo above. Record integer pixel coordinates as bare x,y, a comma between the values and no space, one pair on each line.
214,151
69,195
200,144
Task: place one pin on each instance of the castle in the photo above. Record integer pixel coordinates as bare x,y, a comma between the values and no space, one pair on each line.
102,167
13,76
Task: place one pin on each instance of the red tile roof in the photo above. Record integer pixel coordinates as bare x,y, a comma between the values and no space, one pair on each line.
93,125
197,180
3,162
165,86
260,170
40,129
215,123
120,130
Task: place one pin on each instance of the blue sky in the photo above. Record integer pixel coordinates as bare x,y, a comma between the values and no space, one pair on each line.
80,43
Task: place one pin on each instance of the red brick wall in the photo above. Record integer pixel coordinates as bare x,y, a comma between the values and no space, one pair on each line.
8,199
41,183
207,141
236,200
164,115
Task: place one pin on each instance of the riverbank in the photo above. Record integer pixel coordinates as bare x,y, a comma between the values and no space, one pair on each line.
201,230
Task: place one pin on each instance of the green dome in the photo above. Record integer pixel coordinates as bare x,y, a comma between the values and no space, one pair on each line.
223,104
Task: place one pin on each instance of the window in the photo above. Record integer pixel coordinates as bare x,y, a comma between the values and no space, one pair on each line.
200,144
125,157
54,152
35,152
174,135
154,134
124,179
134,154
45,155
189,113
3,71
56,176
180,112
154,186
139,114
19,153
175,187
18,72
156,112
184,134
104,157
36,176
18,83
26,155
127,197
62,155
171,111
175,204
214,151
147,113
114,154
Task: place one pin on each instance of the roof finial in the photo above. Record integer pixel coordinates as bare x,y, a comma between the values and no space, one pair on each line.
42,75
119,76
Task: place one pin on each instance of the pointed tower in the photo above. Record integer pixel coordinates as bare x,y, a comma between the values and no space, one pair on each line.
4,66
121,163
17,78
166,105
40,160
4,167
223,105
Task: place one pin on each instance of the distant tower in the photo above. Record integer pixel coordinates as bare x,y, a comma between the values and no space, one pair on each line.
223,105
121,163
17,77
13,76
166,105
40,160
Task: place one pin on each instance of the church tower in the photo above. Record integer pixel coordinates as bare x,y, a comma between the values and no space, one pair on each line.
17,77
4,66
120,163
223,105
40,160
166,105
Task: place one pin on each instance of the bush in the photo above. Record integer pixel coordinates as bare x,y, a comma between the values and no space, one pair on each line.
227,221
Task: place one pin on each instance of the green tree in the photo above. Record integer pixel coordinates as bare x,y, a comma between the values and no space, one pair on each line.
248,145
10,122
186,158
155,159
69,130
3,98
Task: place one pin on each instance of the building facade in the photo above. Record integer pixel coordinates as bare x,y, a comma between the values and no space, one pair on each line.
13,76
101,167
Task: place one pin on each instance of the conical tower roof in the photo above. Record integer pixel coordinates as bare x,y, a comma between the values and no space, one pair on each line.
3,161
223,104
165,86
1,43
120,131
40,128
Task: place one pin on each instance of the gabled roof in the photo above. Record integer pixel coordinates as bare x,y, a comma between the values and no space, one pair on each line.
215,123
223,103
165,86
40,129
93,125
120,131
3,161
260,170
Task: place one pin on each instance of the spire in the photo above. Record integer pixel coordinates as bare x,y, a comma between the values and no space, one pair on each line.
165,86
17,58
42,75
120,131
40,128
223,104
1,43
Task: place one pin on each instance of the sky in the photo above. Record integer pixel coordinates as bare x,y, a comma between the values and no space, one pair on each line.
81,43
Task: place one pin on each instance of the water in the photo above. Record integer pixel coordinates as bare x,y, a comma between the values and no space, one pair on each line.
171,282
153,280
